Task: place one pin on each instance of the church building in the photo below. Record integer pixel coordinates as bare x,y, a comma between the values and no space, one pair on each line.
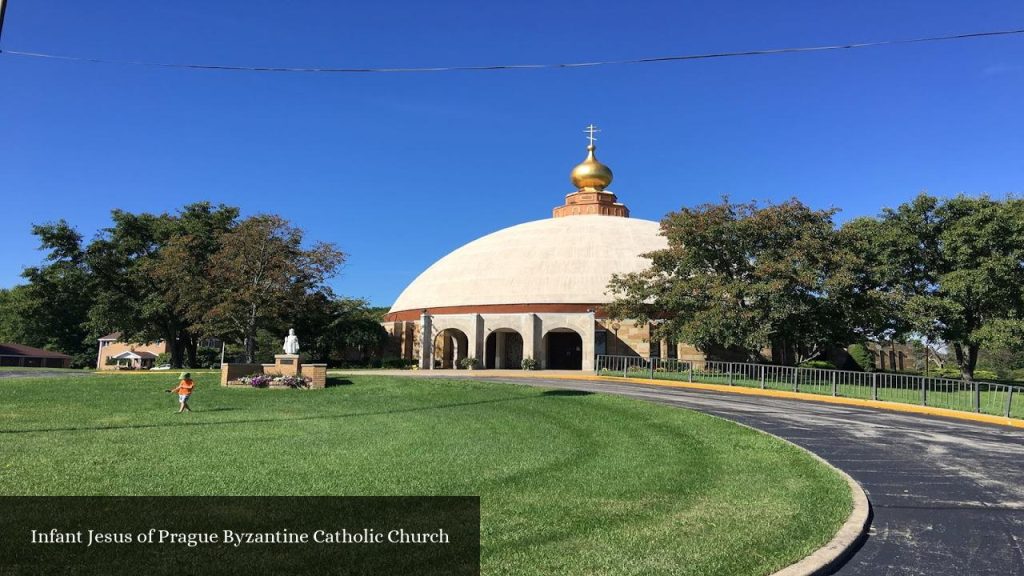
535,290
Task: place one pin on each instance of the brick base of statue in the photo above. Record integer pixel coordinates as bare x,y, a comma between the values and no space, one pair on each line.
284,365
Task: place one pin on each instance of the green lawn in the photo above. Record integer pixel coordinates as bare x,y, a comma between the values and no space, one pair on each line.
569,484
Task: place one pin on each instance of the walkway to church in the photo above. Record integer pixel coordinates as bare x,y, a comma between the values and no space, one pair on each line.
947,496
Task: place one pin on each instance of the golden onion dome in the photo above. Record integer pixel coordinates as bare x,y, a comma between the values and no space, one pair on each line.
591,174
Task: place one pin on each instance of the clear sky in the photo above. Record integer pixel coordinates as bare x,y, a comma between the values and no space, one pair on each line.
400,169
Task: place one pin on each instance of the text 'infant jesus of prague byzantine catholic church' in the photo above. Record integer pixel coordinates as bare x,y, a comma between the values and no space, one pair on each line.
535,290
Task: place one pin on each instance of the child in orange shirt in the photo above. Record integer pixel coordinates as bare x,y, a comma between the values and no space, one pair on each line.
184,390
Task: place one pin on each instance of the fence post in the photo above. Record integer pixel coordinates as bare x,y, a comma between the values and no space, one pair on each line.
762,376
689,370
874,385
730,373
1009,400
625,365
652,368
796,386
924,391
835,387
976,401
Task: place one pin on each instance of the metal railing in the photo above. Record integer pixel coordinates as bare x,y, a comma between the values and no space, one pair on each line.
982,397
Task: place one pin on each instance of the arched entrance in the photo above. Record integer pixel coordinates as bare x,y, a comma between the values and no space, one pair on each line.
504,349
450,346
563,349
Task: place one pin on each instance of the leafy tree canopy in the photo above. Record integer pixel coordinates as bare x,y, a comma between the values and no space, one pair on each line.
954,269
746,277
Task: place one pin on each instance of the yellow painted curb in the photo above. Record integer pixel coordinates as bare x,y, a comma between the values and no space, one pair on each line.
891,406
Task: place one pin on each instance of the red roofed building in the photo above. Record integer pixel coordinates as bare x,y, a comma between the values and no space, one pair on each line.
29,357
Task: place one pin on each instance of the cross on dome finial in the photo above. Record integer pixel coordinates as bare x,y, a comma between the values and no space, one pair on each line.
591,174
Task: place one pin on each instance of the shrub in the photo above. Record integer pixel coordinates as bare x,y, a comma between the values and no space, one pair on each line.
947,372
205,358
861,357
395,363
528,364
469,363
819,364
985,375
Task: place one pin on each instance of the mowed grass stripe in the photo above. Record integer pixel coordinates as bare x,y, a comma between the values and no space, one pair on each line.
569,483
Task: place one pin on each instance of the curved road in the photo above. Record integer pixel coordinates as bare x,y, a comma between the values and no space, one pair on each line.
947,496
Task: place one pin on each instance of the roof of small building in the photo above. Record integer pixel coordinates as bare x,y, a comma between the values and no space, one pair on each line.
9,349
142,354
114,336
551,261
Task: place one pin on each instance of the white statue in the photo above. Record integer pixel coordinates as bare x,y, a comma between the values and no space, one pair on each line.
291,342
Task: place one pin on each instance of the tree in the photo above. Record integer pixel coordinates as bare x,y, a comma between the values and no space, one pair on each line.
743,277
180,268
259,275
51,310
339,329
14,314
149,269
128,297
956,267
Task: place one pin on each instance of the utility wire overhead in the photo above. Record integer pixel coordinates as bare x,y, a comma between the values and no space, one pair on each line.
656,59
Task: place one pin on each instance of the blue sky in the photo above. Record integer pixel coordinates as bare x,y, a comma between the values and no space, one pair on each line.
400,169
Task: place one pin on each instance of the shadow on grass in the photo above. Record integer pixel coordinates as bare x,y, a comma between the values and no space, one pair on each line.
566,393
333,381
262,420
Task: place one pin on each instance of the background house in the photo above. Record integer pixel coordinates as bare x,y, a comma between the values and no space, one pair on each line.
114,354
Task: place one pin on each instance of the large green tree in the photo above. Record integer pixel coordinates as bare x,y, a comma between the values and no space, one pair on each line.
181,267
954,268
149,269
745,277
51,310
259,278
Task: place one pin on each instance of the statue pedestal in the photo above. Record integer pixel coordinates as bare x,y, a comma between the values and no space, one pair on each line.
284,365
287,364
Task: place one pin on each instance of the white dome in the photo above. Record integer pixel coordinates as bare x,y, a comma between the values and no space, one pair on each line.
555,261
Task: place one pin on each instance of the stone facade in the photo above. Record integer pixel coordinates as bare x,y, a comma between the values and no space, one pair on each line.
503,340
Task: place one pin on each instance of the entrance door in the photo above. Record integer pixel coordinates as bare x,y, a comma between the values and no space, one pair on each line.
564,351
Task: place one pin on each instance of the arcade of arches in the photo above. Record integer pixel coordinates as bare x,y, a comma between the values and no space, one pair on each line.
501,341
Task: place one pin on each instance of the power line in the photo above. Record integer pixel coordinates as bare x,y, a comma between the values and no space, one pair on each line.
705,56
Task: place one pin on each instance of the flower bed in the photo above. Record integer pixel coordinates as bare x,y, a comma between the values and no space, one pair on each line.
266,381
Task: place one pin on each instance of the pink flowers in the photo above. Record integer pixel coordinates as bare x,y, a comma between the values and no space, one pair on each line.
266,380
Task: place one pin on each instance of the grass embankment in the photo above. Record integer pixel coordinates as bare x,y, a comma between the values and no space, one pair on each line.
569,484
